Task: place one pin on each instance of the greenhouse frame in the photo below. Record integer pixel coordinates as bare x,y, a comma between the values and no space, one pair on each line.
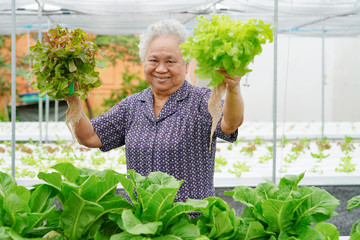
301,97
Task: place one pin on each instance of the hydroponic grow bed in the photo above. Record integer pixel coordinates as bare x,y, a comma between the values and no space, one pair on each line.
248,131
246,162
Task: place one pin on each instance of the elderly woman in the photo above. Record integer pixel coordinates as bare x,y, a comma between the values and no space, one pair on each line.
167,126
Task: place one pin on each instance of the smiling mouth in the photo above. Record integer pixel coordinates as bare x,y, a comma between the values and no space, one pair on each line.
161,79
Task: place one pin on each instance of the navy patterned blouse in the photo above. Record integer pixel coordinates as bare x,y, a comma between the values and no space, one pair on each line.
177,142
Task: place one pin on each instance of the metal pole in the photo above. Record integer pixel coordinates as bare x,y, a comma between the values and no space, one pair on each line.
56,102
323,86
46,117
40,99
275,90
56,111
47,112
13,86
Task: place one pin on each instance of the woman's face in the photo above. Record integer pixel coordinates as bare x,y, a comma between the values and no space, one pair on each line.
164,66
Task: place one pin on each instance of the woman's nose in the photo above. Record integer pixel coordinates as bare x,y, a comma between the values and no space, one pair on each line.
161,67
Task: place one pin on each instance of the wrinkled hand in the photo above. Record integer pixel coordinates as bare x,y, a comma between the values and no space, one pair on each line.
232,83
72,100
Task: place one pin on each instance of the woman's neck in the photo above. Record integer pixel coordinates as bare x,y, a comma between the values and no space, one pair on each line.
159,102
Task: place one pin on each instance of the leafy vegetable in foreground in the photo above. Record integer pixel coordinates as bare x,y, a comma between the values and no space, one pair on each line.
156,215
355,230
87,198
218,220
23,212
90,209
285,211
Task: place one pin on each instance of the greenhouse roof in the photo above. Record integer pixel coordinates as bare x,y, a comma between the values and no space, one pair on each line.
116,17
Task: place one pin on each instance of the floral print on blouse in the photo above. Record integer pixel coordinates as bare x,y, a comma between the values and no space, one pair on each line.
177,142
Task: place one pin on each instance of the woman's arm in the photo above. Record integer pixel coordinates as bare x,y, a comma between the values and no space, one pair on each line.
84,131
233,109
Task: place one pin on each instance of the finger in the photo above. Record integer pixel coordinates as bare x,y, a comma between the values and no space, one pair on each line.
230,82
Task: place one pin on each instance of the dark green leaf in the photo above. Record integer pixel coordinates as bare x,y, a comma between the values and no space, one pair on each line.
179,208
328,230
160,201
42,198
78,214
319,206
256,231
134,226
279,214
353,203
355,228
310,233
68,170
182,230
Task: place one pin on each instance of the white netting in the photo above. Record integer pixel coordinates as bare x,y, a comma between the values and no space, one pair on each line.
310,17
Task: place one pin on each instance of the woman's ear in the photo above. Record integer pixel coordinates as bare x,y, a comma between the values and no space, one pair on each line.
187,67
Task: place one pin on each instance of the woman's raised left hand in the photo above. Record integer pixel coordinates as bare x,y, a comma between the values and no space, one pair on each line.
232,83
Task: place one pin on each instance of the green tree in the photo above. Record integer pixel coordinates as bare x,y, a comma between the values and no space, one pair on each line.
127,88
124,47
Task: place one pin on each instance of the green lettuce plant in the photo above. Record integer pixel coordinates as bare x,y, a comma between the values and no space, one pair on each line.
221,160
225,43
155,214
346,165
347,146
355,230
319,156
239,168
291,157
265,158
90,209
87,198
218,221
285,211
22,211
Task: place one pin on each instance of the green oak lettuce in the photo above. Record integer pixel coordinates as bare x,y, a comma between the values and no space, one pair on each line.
225,43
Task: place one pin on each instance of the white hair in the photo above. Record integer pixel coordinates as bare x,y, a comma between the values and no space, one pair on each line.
160,28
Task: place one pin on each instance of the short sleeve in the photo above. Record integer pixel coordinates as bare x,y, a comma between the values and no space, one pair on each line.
207,117
111,126
227,137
